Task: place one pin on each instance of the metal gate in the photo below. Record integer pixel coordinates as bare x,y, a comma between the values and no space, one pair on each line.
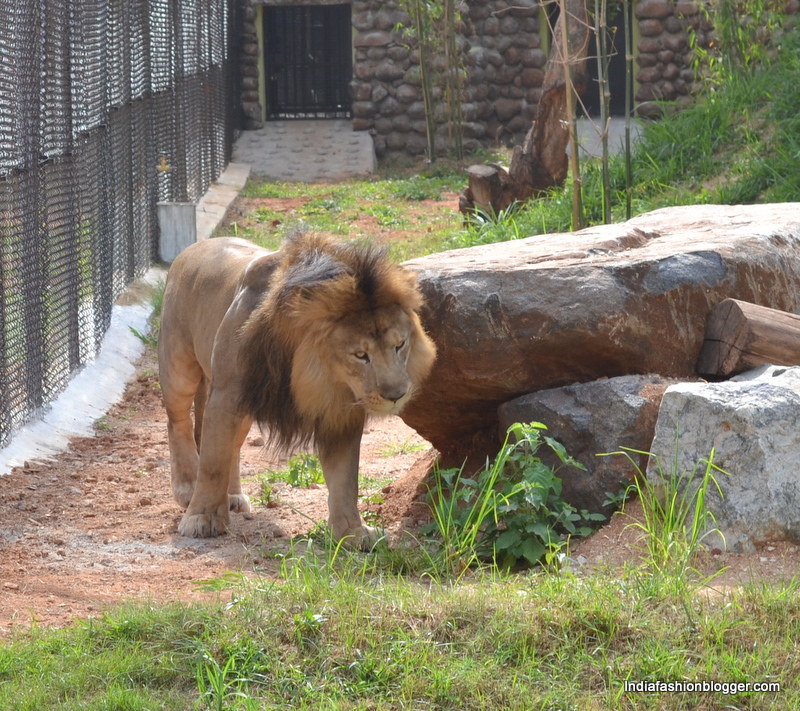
309,63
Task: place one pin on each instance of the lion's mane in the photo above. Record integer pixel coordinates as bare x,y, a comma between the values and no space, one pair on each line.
287,384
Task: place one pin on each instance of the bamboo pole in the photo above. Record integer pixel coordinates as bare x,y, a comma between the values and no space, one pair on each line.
600,28
626,12
423,45
577,203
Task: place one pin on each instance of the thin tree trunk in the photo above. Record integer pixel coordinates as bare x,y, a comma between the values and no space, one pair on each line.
626,11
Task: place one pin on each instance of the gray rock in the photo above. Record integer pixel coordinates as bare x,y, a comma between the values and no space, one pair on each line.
590,419
624,299
372,39
753,425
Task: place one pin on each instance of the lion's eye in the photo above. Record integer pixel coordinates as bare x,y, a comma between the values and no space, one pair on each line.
362,356
399,347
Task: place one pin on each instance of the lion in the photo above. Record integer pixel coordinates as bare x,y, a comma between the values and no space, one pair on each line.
308,342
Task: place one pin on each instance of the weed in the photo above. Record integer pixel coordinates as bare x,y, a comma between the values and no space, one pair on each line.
149,340
101,424
220,685
676,514
512,511
397,448
302,470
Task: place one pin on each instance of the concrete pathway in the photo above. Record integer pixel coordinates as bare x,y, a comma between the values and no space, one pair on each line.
307,151
329,150
590,136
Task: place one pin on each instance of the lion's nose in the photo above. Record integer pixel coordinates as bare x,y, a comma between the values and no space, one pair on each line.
394,394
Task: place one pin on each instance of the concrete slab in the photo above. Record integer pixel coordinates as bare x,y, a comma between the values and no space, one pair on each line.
218,198
590,136
92,391
307,151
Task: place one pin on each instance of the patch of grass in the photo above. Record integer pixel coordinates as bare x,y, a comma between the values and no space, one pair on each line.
397,448
676,516
342,630
150,339
391,203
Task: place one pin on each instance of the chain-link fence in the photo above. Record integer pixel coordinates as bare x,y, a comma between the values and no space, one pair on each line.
106,108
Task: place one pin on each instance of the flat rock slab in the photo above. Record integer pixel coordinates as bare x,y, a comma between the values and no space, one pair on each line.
753,425
623,299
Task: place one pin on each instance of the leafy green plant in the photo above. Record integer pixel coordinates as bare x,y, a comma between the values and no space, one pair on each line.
302,470
512,511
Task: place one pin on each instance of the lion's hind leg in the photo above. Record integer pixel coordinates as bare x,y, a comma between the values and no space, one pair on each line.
208,512
178,388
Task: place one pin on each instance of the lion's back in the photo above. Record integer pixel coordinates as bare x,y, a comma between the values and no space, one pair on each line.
202,283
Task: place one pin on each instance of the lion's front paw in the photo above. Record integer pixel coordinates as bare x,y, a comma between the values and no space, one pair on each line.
364,538
204,525
239,503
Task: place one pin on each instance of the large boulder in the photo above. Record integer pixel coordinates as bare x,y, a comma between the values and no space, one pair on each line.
622,299
753,425
590,419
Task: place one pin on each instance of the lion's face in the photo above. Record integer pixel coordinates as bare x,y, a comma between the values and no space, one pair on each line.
373,359
370,354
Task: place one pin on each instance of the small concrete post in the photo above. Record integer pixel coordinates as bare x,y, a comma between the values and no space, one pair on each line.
177,222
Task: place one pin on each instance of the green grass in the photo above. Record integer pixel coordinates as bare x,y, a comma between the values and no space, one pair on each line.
342,631
388,203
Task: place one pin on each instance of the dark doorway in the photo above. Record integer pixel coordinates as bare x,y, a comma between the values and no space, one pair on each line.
308,61
615,46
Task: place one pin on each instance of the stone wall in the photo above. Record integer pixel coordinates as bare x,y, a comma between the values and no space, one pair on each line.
248,67
664,55
500,46
503,63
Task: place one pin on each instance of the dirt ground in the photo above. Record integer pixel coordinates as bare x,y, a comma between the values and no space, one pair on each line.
97,524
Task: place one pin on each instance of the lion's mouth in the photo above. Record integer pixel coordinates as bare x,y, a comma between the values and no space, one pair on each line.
385,408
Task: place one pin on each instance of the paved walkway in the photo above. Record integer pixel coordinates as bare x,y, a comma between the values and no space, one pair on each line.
329,150
590,139
307,151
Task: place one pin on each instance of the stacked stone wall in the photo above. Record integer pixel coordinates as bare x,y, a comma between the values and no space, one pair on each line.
502,60
503,66
248,68
664,53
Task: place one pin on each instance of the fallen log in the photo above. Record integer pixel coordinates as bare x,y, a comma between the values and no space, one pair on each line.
740,336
